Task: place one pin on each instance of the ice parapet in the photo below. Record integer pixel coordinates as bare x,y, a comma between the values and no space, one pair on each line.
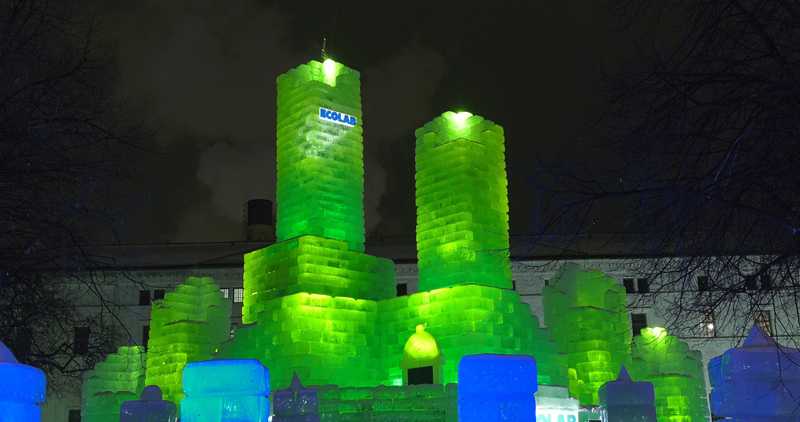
676,373
117,379
234,390
624,400
22,389
496,388
187,325
759,380
462,203
149,408
586,314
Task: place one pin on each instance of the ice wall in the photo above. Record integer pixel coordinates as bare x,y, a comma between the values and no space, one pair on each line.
676,373
187,325
117,379
586,314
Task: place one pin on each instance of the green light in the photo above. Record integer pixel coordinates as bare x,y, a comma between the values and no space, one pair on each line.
329,71
657,332
459,119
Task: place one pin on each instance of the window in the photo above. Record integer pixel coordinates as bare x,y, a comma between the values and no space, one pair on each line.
638,321
702,283
764,320
422,375
21,343
766,281
74,415
643,285
750,282
144,297
145,336
80,343
225,293
402,289
238,295
158,294
628,282
709,328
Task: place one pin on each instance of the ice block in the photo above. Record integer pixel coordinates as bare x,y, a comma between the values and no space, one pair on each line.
496,388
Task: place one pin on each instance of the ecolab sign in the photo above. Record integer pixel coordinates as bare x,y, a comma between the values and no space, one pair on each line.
337,117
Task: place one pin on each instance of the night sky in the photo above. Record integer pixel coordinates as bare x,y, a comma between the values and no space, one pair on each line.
200,75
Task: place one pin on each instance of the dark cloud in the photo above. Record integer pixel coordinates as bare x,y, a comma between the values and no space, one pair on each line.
204,74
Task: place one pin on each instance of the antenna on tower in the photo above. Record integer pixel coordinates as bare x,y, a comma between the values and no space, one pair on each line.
324,46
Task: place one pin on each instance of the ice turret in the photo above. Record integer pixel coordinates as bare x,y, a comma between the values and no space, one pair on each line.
462,203
758,381
624,400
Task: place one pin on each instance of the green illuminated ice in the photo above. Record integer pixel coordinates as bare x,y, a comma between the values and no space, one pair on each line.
676,373
586,314
320,162
465,320
462,203
187,325
317,306
312,264
119,378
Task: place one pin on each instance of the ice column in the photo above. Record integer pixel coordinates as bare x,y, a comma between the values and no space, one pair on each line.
758,381
624,400
320,154
22,389
235,390
462,203
496,388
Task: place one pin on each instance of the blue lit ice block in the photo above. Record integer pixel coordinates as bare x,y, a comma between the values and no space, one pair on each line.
496,388
758,381
235,390
150,408
22,389
624,400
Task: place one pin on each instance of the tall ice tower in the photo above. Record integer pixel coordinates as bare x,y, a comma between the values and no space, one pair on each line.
462,203
321,153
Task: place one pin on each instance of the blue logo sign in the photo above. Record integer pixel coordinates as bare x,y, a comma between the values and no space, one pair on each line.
337,117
